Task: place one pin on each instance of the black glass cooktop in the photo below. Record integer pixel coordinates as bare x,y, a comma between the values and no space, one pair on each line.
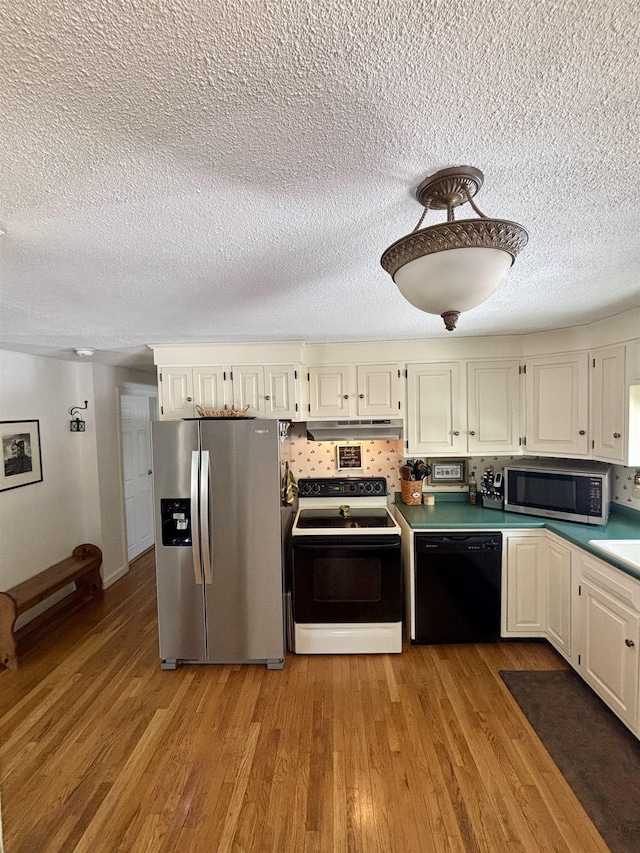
334,518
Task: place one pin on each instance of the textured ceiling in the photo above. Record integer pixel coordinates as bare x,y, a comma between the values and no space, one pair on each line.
188,171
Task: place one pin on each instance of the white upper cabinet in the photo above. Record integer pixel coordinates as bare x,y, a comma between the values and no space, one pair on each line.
354,391
379,392
436,410
557,405
608,423
331,391
176,392
269,390
493,407
210,389
281,391
184,388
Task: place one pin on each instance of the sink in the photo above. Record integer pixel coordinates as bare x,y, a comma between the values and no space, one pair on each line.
626,550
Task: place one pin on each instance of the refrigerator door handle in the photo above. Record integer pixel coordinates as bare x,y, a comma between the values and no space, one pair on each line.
205,533
195,524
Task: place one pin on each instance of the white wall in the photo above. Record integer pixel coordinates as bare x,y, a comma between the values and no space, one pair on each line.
81,496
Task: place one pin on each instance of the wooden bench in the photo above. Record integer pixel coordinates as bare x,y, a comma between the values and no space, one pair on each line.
82,568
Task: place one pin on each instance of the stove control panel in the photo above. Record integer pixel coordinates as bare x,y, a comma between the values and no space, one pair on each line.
342,487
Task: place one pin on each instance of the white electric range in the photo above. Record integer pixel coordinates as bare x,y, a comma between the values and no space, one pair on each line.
346,589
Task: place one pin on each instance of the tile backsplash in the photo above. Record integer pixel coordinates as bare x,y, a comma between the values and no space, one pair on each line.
383,458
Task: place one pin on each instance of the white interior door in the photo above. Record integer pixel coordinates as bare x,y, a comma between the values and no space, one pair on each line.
136,453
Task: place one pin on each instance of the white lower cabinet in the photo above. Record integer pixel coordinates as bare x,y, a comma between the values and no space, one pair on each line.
525,585
537,594
558,595
608,614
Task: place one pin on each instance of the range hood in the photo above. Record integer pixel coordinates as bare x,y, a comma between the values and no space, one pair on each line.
354,430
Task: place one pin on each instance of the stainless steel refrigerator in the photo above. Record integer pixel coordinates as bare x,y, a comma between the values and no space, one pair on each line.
219,541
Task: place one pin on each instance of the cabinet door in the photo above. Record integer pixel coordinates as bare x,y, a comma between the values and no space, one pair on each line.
558,589
493,406
556,404
609,658
280,382
608,416
436,411
526,598
210,387
378,390
330,391
176,393
248,389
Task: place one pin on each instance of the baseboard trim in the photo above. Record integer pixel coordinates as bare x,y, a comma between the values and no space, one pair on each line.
115,576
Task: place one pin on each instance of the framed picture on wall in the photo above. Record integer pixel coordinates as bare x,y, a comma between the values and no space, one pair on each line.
21,459
348,457
447,472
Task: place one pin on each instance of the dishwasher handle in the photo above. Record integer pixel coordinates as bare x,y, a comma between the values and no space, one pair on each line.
457,543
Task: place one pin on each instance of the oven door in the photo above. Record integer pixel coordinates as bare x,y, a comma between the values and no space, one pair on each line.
347,579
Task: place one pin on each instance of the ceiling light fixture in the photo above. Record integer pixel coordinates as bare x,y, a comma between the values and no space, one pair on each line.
84,352
454,266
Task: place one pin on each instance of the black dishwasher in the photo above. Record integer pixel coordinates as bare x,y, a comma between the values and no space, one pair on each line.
457,587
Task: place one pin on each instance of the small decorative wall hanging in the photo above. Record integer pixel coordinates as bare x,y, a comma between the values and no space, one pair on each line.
447,472
21,457
77,424
348,457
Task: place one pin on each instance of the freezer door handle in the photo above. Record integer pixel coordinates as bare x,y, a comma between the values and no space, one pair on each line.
205,490
195,524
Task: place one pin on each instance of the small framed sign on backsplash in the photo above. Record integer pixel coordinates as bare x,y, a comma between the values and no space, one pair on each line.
349,457
447,472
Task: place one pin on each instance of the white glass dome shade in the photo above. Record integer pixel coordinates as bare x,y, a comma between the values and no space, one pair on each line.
449,268
453,280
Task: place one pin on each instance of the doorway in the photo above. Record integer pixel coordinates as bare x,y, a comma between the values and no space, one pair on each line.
135,422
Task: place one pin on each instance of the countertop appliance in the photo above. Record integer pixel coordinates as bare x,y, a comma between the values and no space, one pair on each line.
569,490
346,584
219,541
457,587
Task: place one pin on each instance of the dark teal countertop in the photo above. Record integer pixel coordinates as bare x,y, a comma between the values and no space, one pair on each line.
454,512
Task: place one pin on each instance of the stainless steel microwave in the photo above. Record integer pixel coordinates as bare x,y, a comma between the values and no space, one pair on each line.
569,490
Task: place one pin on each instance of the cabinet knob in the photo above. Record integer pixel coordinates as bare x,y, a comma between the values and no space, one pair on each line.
267,397
472,432
456,432
346,396
361,396
582,432
189,399
629,643
616,435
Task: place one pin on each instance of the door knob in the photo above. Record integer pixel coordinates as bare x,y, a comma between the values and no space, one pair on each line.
473,432
616,435
629,643
346,396
149,471
361,396
189,399
456,432
267,397
582,432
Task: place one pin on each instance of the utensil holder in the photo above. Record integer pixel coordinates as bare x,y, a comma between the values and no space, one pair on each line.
411,492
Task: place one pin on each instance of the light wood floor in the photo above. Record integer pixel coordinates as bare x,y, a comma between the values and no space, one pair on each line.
102,751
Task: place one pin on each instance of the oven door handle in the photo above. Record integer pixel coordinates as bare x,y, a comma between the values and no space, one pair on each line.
316,543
